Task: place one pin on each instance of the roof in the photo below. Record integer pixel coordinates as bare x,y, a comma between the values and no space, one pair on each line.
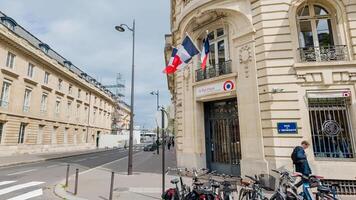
33,40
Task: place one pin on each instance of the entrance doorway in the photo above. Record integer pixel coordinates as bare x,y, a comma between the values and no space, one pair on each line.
97,139
223,149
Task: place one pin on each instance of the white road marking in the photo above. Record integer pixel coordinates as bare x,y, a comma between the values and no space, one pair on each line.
6,182
22,172
51,166
18,187
28,195
80,160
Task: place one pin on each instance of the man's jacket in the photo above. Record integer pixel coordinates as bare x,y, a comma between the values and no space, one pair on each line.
302,165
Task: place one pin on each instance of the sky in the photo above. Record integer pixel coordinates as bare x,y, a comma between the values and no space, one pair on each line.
82,31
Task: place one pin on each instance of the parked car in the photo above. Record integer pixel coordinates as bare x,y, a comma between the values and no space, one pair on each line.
150,147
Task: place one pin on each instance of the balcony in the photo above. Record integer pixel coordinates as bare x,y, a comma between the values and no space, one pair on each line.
324,54
213,71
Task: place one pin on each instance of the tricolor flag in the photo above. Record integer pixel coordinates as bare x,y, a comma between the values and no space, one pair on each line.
173,61
183,55
205,53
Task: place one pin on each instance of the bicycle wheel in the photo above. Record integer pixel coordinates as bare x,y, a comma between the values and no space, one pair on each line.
244,194
277,196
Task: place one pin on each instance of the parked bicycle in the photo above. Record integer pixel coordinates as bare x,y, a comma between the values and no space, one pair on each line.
288,188
252,190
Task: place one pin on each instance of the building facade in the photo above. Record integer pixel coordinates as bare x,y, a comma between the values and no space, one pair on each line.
47,104
281,71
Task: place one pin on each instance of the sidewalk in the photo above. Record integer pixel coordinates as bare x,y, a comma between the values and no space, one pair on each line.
31,158
145,183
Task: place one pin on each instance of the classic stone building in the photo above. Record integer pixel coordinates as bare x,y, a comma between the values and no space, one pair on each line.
281,71
46,103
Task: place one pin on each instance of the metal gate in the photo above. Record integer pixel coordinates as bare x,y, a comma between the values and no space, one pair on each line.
223,136
331,128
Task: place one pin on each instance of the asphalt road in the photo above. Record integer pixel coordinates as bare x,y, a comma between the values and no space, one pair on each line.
36,180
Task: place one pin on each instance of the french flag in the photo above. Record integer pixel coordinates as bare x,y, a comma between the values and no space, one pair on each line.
205,53
182,55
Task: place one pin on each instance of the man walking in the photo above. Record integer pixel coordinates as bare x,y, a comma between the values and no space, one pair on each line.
300,159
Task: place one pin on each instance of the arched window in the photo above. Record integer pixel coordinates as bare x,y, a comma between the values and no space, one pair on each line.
316,34
218,47
315,26
219,62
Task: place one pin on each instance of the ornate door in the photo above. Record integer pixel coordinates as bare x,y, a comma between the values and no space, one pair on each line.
223,136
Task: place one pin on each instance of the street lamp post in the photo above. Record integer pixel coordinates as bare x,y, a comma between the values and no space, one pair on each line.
132,29
157,94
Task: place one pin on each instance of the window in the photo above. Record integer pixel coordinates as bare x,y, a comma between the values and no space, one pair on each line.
101,102
44,101
26,101
79,93
44,47
1,131
316,34
86,112
70,89
218,41
94,115
60,84
10,61
219,62
87,96
30,70
331,128
69,109
95,100
21,133
5,93
46,78
9,25
78,112
58,106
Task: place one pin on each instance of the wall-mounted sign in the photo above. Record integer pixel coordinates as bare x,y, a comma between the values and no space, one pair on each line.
205,90
287,127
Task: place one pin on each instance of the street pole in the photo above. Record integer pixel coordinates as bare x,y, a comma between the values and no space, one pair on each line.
163,153
157,124
132,29
129,170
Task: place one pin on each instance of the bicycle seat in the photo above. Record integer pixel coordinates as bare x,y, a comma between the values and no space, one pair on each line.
175,181
245,183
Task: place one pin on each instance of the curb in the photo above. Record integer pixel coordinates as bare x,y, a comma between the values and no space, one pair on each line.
60,192
52,158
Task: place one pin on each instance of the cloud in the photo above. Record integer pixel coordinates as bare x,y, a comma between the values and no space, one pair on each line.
83,32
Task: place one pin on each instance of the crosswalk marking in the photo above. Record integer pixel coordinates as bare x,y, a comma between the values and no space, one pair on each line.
18,187
6,182
28,195
22,172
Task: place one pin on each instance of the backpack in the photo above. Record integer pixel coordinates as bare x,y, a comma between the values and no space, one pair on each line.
294,155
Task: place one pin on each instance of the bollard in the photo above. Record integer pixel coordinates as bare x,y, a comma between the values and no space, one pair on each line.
67,176
111,185
76,182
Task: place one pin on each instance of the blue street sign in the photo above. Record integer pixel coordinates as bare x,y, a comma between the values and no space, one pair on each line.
287,127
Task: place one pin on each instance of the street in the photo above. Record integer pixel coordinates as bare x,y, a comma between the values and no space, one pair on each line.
36,180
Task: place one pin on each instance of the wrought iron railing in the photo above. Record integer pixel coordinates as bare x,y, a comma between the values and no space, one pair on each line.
324,53
213,71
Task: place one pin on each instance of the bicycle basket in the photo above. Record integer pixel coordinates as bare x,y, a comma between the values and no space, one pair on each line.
267,182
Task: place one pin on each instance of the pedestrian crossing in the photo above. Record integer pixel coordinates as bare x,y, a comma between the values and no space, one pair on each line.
13,190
